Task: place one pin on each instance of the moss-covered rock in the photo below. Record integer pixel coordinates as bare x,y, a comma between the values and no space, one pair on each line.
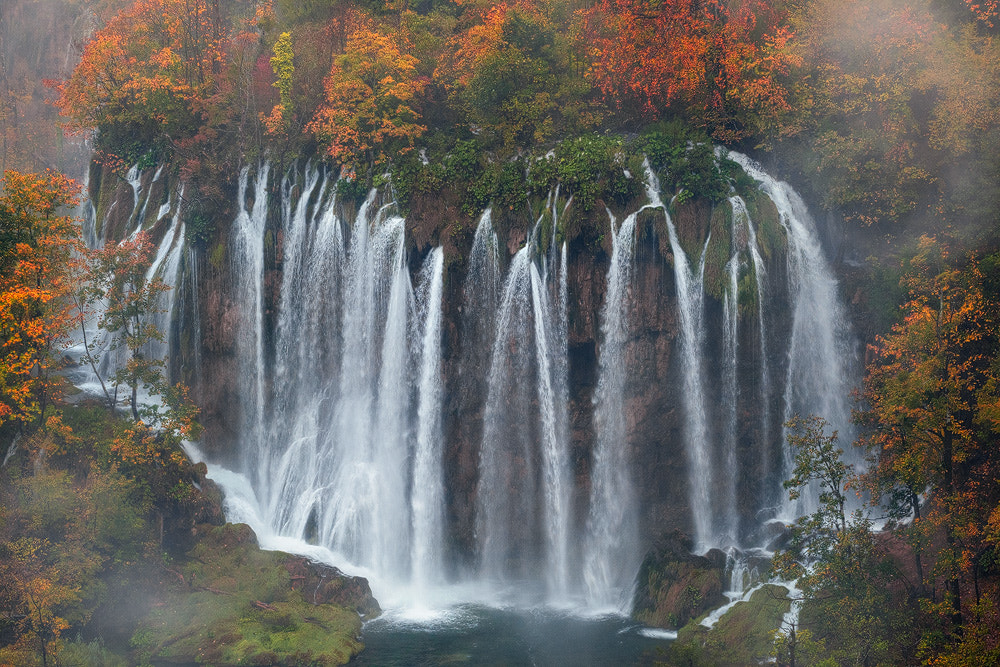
675,585
232,603
767,221
719,250
743,636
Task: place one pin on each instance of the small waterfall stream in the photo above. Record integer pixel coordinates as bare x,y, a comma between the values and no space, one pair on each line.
821,356
428,476
690,282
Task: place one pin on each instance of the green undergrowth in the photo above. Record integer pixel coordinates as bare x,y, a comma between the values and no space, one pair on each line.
597,173
232,603
743,636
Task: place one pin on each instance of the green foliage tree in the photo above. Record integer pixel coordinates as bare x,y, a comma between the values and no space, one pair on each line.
284,68
842,572
118,279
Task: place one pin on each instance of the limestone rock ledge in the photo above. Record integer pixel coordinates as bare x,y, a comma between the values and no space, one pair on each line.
228,602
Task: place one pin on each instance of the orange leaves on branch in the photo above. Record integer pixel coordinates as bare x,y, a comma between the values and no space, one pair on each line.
652,56
156,61
721,65
985,11
929,396
38,273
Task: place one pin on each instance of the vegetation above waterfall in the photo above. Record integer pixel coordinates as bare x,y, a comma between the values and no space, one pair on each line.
885,110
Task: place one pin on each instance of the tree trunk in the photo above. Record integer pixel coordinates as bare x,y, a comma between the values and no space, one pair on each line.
915,503
954,585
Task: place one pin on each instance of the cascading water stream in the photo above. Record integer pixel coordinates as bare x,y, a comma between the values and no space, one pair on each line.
554,455
611,544
166,265
690,294
759,272
728,517
506,433
349,447
523,518
743,243
821,354
428,477
248,271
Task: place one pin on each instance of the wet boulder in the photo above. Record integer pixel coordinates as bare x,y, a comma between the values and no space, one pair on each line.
675,585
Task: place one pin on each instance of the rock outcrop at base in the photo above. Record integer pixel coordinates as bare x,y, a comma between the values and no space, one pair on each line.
232,603
676,586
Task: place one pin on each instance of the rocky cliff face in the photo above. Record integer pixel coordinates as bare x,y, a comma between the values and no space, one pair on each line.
743,423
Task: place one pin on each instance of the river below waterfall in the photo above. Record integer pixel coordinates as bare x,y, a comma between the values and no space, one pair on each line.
490,636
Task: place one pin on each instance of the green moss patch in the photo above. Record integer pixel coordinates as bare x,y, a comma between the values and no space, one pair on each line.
743,636
232,603
719,250
675,585
766,220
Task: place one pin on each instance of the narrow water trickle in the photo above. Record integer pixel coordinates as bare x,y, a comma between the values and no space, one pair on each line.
428,476
690,283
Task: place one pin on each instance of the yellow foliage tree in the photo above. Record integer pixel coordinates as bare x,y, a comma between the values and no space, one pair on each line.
371,101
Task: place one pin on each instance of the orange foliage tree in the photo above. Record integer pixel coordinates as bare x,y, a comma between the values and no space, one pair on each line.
720,67
929,395
38,273
372,97
152,70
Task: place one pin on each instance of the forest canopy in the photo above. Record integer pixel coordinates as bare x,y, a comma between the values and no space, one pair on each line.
884,111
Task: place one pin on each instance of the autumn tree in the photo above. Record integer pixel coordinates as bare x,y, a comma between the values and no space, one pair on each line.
512,76
372,96
41,593
929,394
38,272
724,67
131,298
151,73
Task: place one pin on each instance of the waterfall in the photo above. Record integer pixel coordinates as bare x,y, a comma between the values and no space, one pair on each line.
821,356
248,272
555,463
612,529
344,437
523,515
690,294
729,516
362,392
428,482
368,456
764,376
167,265
505,494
